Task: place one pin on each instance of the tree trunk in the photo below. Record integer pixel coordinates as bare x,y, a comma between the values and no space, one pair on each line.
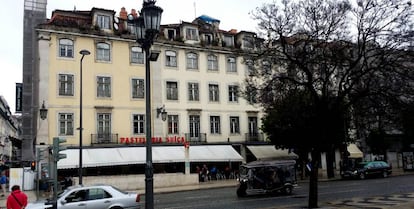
330,170
313,182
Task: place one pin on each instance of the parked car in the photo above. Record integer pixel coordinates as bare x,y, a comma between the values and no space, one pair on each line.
260,177
96,196
368,169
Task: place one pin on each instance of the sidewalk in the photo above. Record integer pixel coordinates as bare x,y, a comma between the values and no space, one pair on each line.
231,183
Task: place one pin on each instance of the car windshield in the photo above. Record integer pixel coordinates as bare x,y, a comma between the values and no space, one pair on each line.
361,165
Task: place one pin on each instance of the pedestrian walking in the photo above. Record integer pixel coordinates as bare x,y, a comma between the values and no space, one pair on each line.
17,199
3,182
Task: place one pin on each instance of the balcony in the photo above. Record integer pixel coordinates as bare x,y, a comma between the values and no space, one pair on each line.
200,139
254,137
104,139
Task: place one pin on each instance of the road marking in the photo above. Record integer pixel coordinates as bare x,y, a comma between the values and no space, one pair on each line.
343,191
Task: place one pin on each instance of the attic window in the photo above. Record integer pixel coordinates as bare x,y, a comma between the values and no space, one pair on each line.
228,41
191,34
103,21
208,38
171,34
248,42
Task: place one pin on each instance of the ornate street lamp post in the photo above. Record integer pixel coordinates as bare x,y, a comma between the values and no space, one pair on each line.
43,111
147,27
83,53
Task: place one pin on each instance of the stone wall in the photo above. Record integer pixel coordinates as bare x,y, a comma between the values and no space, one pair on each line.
135,182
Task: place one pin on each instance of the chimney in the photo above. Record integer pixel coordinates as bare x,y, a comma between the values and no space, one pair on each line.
123,13
233,31
134,12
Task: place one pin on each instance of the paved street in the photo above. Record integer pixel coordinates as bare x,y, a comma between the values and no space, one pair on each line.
404,199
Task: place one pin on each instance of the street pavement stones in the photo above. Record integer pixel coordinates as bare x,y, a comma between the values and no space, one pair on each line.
400,201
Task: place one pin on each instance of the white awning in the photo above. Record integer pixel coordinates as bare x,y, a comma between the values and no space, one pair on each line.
269,152
137,155
354,151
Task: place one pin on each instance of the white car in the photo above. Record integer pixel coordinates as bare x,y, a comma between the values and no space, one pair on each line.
92,197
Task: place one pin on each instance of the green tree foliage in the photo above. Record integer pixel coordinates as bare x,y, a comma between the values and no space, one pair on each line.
408,124
296,121
378,142
321,61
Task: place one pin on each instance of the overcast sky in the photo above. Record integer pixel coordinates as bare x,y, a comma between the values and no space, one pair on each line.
233,14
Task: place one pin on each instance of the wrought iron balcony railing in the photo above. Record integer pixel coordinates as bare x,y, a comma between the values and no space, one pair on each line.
254,137
196,139
104,138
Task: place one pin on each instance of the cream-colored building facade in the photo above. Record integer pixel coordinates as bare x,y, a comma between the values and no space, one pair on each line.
197,80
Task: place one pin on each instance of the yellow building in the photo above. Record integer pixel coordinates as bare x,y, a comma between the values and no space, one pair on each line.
197,80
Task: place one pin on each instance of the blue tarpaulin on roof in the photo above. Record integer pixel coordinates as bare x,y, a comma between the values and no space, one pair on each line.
208,19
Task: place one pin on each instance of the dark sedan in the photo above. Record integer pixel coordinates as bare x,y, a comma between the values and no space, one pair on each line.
368,169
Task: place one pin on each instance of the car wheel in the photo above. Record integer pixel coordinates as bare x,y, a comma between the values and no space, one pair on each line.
385,174
288,190
241,191
117,207
362,176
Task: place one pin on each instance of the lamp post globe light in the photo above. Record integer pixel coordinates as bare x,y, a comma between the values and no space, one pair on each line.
83,52
147,26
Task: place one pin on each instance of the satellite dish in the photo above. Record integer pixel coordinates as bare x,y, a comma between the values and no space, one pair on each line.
116,26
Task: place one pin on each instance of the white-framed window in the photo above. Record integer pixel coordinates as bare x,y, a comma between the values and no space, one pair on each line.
103,86
212,62
191,34
233,93
173,124
138,123
213,91
231,64
192,61
103,21
104,124
103,52
234,125
215,125
172,90
65,48
65,85
194,126
253,129
137,55
193,92
65,124
138,88
171,58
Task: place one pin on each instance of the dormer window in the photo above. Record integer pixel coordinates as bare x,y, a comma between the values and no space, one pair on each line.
103,21
228,41
208,38
248,42
191,34
171,34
